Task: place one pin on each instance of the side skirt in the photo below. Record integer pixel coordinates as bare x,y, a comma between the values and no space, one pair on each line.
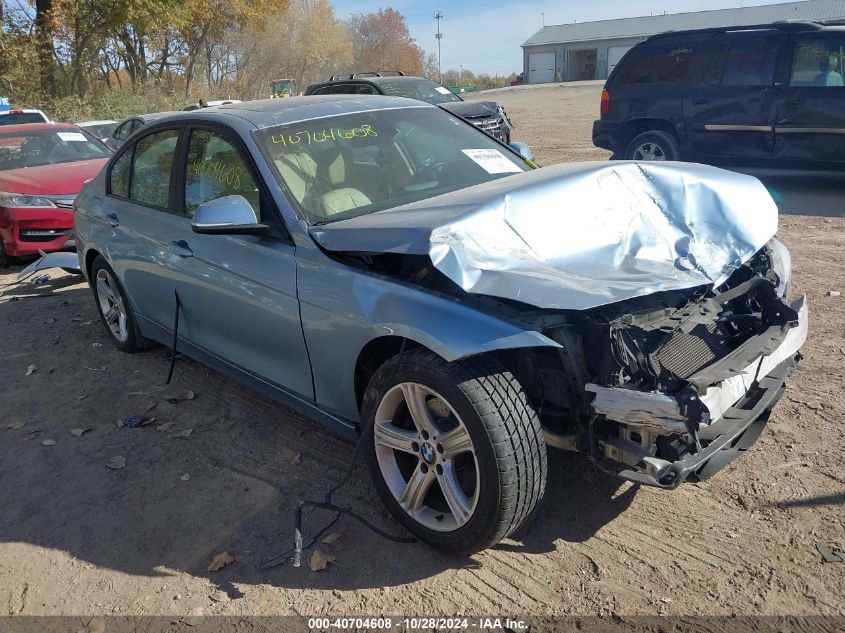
304,406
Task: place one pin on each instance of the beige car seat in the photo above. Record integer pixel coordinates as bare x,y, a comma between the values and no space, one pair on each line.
333,172
299,171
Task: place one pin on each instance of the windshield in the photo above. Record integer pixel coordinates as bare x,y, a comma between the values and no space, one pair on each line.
101,130
18,118
48,147
422,89
345,166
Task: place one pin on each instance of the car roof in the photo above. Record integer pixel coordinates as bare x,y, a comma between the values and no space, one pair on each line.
264,113
35,127
797,26
383,79
152,116
346,79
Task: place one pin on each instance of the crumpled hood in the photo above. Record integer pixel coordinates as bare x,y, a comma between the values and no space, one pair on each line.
471,109
577,235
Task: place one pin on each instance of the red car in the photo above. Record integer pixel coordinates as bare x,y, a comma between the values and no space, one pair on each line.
42,169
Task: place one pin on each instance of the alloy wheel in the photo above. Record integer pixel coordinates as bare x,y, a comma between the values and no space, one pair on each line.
649,151
111,305
426,457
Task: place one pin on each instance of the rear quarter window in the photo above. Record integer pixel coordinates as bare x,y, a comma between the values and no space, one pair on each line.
664,63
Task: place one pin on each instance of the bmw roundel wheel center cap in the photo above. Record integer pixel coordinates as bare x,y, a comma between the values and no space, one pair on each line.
427,452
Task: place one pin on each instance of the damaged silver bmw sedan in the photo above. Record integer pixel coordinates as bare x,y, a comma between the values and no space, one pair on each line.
395,274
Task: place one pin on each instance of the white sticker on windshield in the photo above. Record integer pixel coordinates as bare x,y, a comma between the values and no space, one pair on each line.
492,161
72,136
442,90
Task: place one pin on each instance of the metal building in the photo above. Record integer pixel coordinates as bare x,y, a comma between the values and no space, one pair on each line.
590,50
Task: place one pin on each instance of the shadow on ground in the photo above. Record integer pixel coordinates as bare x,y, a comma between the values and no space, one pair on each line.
230,485
800,193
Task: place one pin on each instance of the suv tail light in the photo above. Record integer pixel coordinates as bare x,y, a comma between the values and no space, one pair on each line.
605,103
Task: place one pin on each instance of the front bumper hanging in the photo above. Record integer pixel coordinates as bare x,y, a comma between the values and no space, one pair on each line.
727,405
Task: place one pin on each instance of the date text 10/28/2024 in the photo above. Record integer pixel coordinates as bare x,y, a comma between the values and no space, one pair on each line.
417,624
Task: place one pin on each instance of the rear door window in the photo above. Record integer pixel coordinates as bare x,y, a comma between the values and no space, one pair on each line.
119,174
742,61
747,62
819,61
667,63
152,168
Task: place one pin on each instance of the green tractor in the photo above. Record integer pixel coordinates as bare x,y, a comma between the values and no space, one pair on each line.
282,88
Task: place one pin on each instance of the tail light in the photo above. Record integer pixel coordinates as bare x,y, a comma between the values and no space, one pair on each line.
605,103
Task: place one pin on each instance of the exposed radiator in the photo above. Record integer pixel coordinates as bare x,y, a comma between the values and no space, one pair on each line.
684,354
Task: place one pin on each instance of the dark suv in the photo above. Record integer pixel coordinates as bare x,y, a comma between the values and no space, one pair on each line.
486,115
760,96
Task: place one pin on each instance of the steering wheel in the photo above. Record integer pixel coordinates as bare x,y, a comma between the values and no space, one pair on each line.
430,171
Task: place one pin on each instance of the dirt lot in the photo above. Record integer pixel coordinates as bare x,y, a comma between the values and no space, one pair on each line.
79,538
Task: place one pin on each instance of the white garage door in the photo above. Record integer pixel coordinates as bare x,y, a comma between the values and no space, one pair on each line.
614,55
541,68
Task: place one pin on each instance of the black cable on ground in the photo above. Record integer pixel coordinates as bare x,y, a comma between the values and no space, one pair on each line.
288,554
175,338
299,543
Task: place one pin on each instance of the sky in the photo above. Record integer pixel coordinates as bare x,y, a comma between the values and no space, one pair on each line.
485,35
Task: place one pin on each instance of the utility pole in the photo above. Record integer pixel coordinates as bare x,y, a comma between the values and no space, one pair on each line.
438,16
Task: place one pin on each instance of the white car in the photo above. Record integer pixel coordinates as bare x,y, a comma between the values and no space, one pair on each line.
17,117
101,129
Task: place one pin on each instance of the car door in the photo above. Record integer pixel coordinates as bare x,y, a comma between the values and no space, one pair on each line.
138,209
810,113
729,110
237,292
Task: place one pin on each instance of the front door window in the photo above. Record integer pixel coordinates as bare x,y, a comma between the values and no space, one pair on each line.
217,169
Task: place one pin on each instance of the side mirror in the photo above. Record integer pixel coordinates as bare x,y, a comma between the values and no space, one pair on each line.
229,215
522,149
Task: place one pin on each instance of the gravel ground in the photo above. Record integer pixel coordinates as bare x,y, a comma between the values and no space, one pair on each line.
79,538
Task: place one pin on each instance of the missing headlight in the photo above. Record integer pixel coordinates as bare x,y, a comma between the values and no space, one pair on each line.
781,265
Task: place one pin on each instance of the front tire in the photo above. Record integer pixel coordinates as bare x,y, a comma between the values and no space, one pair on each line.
115,309
455,450
654,145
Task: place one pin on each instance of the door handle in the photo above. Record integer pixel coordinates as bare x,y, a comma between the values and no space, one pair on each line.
700,102
181,248
112,219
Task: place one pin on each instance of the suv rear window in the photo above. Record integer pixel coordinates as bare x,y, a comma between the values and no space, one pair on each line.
667,63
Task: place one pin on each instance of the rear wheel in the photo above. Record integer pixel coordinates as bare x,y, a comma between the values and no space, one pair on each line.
653,145
115,310
455,451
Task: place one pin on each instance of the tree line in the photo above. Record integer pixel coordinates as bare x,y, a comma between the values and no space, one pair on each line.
116,57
